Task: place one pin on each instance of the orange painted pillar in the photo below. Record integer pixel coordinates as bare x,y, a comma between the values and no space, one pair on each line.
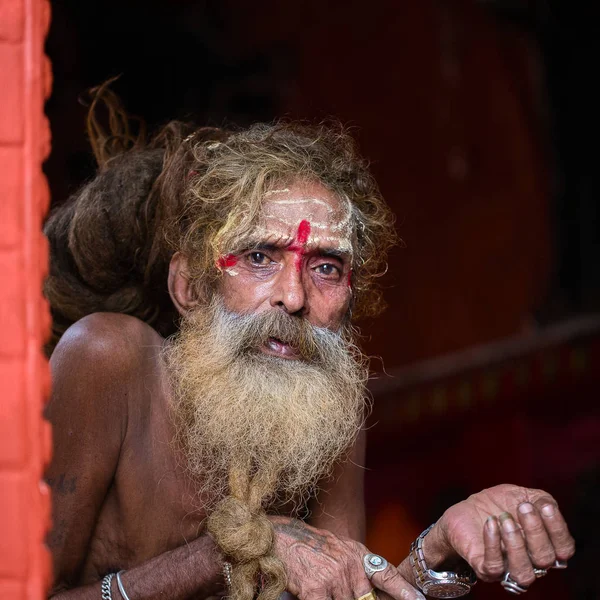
25,439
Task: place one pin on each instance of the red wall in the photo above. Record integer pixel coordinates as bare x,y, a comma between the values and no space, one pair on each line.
25,438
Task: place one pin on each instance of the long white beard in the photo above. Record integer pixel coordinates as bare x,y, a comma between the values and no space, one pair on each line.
236,408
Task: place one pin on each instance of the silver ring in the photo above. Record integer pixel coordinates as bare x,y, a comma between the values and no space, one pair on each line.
559,564
373,563
539,572
512,586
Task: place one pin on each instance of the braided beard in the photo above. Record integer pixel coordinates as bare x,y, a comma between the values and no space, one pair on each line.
255,428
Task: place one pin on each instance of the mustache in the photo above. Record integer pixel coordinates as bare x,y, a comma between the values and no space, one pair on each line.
251,331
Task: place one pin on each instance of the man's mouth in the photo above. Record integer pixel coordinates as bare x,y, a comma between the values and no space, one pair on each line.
276,347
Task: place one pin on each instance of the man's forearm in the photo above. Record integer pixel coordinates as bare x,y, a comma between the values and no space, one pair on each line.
193,570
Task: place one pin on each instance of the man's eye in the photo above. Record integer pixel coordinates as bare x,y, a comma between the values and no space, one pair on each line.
328,270
258,258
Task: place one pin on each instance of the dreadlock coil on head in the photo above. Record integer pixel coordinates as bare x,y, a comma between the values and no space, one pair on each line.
106,253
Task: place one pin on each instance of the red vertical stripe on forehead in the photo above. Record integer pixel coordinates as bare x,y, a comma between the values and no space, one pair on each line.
298,245
303,233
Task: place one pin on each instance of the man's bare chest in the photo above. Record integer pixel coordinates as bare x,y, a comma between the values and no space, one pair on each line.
152,506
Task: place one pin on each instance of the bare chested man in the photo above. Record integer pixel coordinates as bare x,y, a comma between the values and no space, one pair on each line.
174,457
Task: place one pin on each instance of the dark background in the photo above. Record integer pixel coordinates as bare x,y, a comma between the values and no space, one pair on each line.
481,121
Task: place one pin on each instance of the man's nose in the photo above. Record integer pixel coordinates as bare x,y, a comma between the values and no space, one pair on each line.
289,293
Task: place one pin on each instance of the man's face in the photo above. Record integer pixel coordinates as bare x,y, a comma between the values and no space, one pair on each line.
299,261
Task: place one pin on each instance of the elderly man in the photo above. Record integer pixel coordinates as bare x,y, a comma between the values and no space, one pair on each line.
227,458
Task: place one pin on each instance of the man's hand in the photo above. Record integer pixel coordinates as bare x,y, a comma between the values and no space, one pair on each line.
322,566
504,528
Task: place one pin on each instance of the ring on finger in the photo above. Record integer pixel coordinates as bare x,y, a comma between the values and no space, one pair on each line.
372,595
539,572
512,586
373,563
559,564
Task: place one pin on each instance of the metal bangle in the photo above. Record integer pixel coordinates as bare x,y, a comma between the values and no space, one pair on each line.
227,574
121,588
106,581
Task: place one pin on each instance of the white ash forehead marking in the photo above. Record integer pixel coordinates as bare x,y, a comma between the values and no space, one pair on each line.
292,201
339,226
313,224
343,244
271,192
231,272
343,224
343,229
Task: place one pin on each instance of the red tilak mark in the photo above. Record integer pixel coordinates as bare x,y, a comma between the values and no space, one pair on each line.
303,232
227,261
298,245
350,278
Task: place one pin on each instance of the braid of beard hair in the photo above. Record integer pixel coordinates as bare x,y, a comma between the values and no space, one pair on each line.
240,527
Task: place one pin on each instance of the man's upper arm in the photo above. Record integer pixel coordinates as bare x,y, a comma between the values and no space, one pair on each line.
339,506
88,412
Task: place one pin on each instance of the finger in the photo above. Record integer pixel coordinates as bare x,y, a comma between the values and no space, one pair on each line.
316,594
362,586
563,542
539,545
391,582
492,568
519,564
341,591
342,586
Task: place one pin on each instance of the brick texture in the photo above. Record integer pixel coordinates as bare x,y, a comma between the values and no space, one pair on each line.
25,438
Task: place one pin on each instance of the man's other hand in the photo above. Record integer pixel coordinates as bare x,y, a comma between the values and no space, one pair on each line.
323,566
504,528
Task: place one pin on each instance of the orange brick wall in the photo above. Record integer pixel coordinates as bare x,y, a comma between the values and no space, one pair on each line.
25,438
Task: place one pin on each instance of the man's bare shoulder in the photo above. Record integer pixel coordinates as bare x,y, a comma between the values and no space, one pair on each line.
104,349
110,336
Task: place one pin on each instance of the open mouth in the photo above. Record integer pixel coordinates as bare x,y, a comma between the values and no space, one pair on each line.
276,347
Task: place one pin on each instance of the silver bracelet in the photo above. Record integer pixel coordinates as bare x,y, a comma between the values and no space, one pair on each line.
106,581
227,574
121,588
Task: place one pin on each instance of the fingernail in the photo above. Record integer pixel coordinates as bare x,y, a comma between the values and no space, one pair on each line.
491,524
548,510
507,522
525,508
560,564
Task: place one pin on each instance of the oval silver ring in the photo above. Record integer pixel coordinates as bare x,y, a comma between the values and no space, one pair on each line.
373,563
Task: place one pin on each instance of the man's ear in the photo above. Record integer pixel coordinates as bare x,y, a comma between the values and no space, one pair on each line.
180,288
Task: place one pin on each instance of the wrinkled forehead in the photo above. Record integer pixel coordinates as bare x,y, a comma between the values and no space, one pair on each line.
323,213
